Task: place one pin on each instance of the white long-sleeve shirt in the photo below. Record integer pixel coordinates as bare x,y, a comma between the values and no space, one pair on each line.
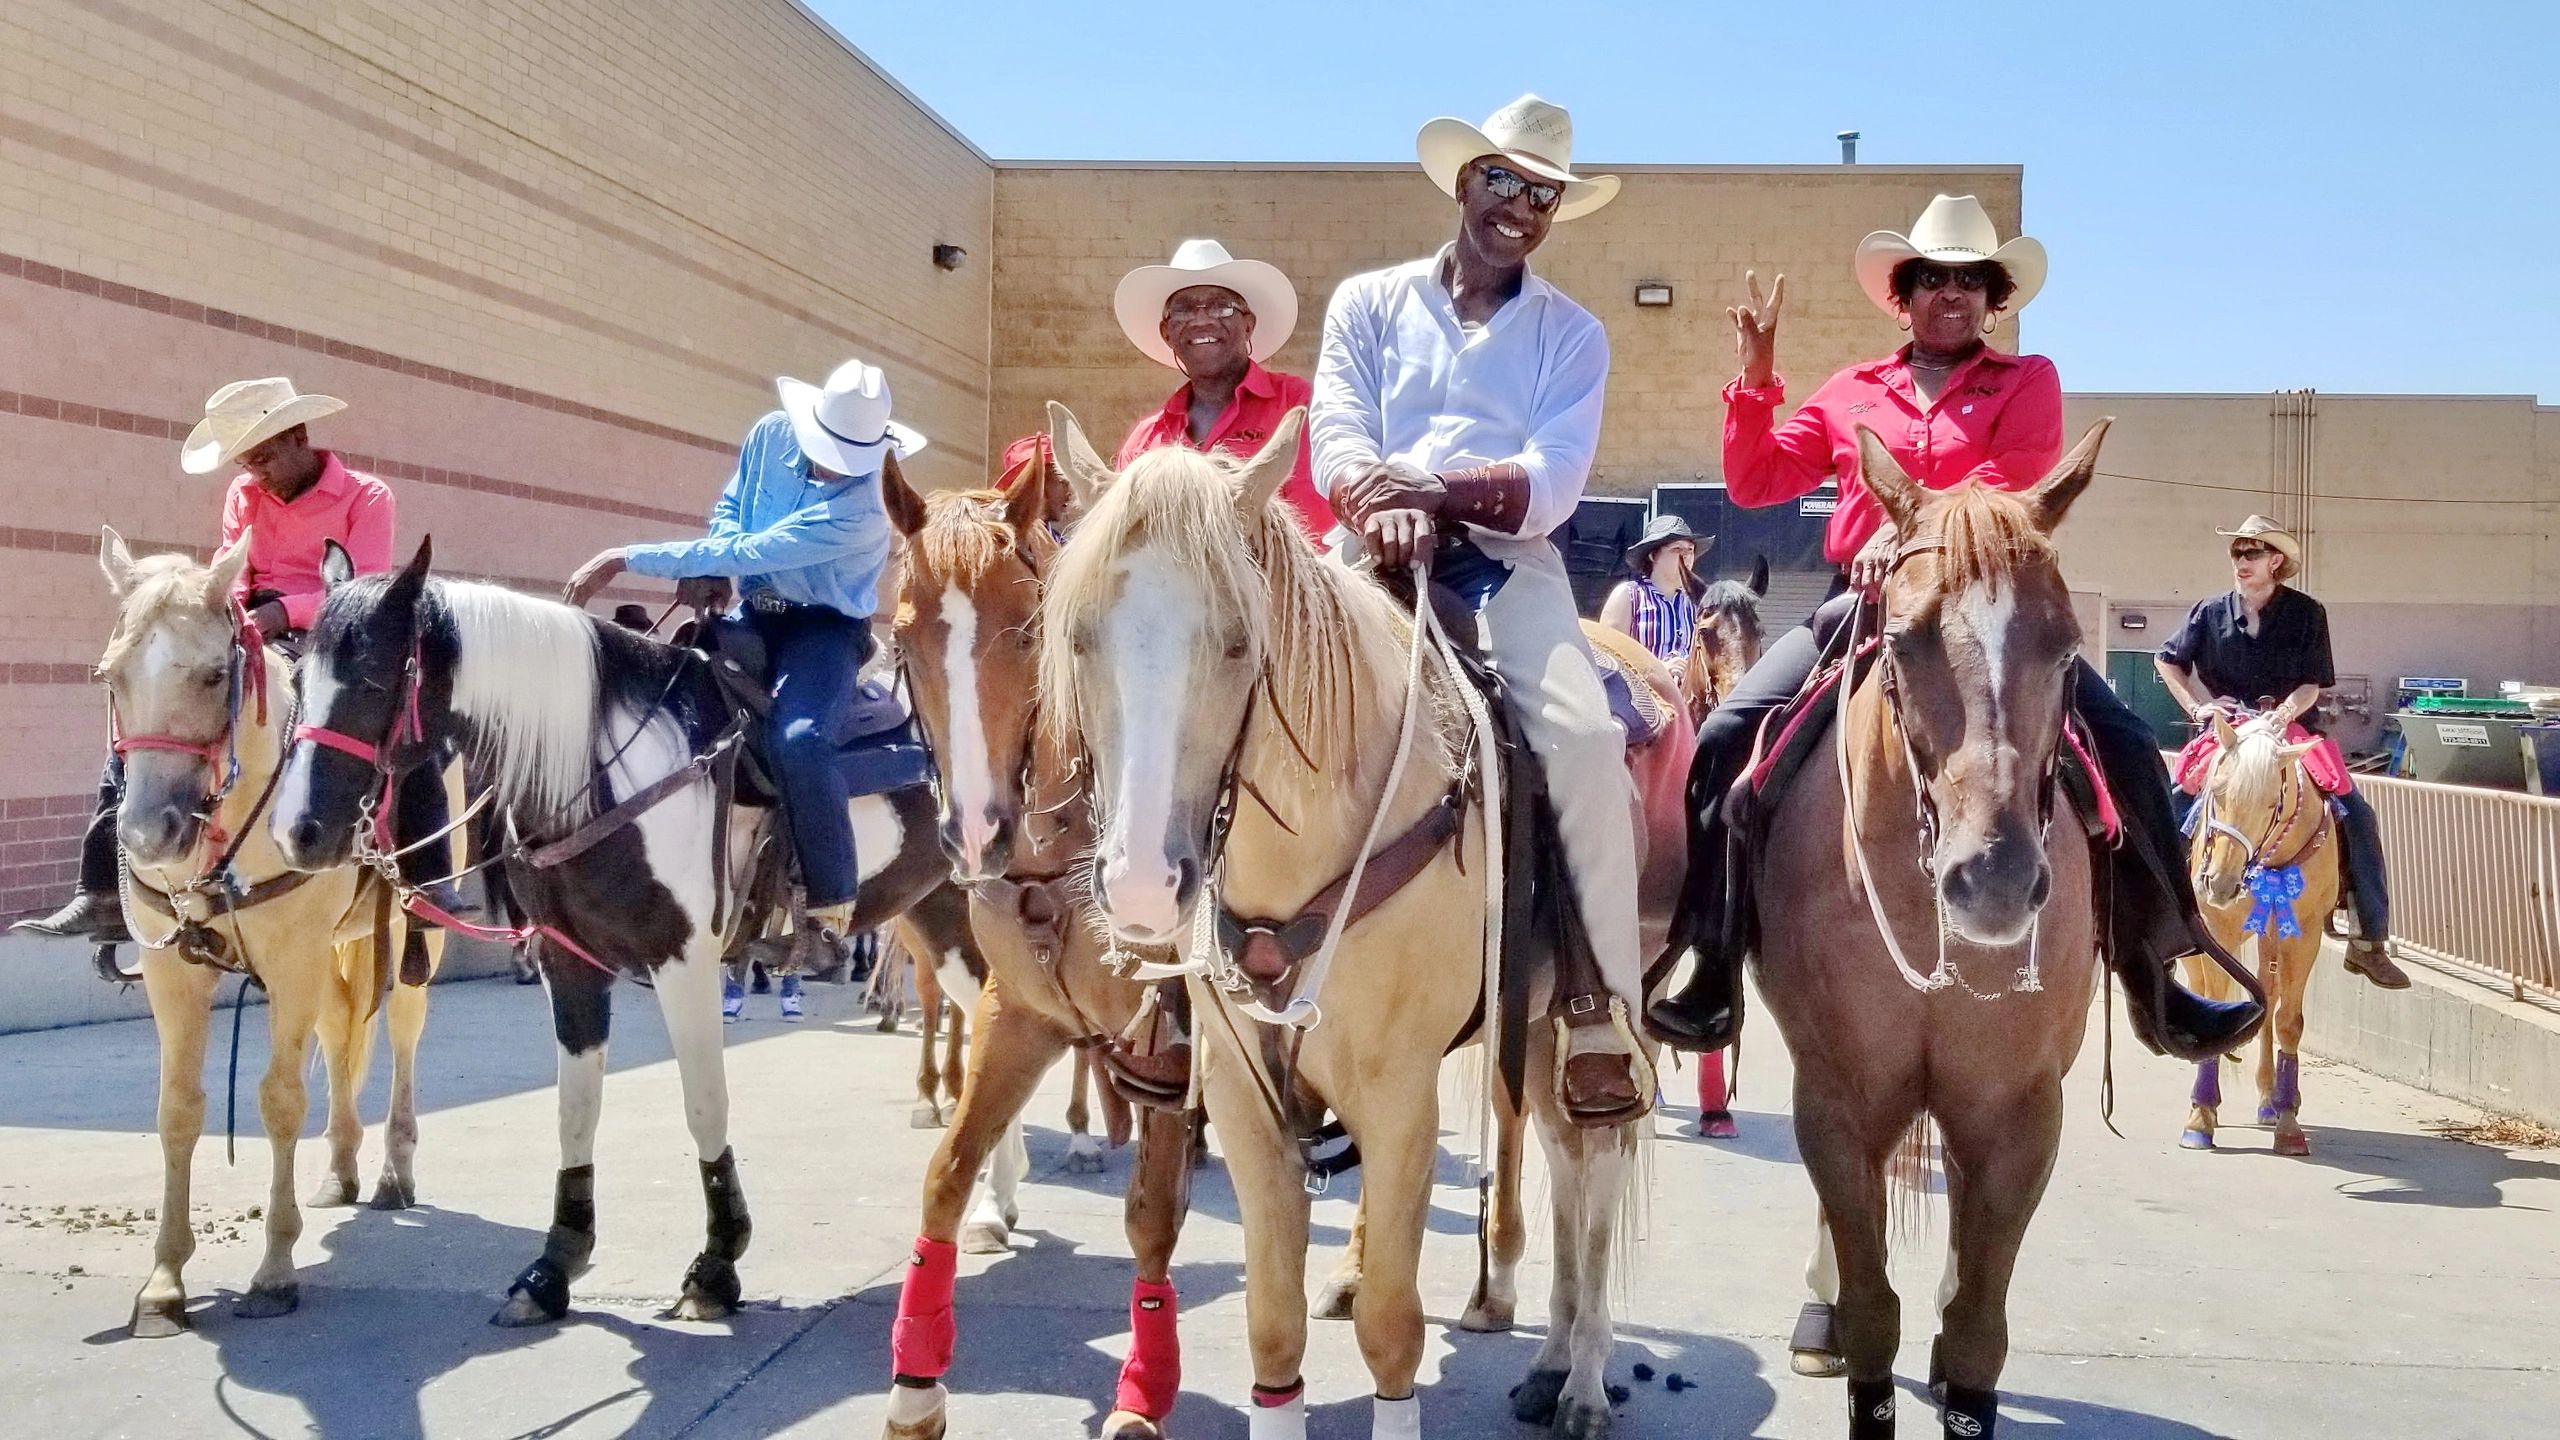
1399,378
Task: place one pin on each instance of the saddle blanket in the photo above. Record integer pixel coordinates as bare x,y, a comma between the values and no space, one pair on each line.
2327,766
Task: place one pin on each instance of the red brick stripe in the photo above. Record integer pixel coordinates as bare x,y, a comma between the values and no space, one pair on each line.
98,417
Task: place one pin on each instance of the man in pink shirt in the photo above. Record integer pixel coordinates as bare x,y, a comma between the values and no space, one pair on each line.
1216,319
291,500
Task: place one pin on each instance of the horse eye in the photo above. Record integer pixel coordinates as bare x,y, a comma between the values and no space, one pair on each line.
1235,648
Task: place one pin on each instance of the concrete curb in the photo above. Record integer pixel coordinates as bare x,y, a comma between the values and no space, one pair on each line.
47,984
2444,1034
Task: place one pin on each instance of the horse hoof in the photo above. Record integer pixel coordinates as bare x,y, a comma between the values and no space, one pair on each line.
925,1116
1487,1317
1334,1302
695,1306
159,1319
388,1195
1813,1347
333,1194
1581,1420
1817,1364
1129,1425
1534,1399
985,1237
917,1413
2267,1116
522,1310
2292,1142
268,1304
1084,1155
2195,1139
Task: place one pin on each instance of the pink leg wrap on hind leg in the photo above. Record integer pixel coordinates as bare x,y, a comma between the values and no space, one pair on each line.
1152,1378
1711,1096
921,1340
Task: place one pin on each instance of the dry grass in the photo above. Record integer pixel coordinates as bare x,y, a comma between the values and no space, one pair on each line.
2498,1132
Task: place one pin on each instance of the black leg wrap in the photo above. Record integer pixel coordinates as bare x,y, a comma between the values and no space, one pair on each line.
573,1202
727,1203
1871,1409
1970,1414
567,1247
711,1278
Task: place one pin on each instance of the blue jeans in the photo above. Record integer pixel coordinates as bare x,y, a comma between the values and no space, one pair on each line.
817,657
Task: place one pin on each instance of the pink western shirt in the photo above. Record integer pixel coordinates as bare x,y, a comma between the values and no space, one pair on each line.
1265,397
1999,418
287,537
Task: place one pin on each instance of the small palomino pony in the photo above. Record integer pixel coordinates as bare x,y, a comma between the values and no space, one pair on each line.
202,712
2264,857
1262,729
1014,820
604,751
1961,722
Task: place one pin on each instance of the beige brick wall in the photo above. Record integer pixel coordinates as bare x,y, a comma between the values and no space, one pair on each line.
1068,233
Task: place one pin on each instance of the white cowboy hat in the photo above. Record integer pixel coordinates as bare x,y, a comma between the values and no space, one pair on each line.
245,412
844,424
2267,532
1954,230
1140,300
1528,133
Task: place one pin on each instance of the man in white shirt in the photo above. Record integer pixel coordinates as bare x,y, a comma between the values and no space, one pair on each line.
1459,396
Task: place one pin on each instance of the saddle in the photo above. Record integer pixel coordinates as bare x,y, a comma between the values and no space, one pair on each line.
881,749
1642,694
2326,766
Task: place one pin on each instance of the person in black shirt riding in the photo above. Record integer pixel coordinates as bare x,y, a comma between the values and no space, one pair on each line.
2264,646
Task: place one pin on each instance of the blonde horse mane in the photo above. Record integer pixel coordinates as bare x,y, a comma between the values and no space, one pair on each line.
1313,630
965,533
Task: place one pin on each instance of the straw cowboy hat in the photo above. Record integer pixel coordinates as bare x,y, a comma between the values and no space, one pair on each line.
1529,134
1661,530
844,424
1954,230
2272,535
245,412
1141,298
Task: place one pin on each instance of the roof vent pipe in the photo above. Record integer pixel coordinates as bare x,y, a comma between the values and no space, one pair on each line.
1848,147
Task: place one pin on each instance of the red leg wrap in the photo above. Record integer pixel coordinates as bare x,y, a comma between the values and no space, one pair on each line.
1711,1096
920,1342
1151,1380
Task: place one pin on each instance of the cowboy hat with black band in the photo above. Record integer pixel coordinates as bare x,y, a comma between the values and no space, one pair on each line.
844,425
1529,135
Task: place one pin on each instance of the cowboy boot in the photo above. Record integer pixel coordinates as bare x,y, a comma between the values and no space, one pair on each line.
96,916
1705,1014
2148,935
2372,960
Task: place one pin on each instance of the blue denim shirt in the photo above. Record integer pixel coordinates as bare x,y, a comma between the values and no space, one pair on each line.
779,529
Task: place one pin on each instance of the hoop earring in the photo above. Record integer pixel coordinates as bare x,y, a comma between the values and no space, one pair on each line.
1991,322
1905,322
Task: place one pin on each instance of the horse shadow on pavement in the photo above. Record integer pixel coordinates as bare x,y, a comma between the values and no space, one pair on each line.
2404,1168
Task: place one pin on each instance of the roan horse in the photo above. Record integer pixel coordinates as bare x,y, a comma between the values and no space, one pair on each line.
2263,826
602,750
1014,820
1961,718
1218,669
202,710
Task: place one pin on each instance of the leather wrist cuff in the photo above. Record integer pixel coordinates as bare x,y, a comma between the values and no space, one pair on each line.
1495,497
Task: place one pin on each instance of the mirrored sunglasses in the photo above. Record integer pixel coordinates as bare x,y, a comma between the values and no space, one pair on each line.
1507,185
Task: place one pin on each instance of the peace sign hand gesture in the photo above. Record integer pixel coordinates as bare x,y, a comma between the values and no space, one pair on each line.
1755,330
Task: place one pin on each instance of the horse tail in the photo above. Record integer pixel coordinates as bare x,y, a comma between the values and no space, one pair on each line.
1907,1179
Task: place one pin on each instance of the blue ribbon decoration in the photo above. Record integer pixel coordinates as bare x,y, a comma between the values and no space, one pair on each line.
2275,891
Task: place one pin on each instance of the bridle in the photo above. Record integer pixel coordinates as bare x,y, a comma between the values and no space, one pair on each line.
2299,802
248,678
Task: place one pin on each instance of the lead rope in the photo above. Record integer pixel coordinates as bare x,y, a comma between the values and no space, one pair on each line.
1942,977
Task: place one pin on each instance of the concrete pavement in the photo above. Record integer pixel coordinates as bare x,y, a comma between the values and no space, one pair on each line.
2394,1283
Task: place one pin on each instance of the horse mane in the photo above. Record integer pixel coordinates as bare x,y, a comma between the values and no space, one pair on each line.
1732,600
526,674
161,583
1988,536
2253,771
966,533
1312,629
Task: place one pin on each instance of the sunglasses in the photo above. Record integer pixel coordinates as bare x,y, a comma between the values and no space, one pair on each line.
1962,277
1203,310
1508,185
2248,553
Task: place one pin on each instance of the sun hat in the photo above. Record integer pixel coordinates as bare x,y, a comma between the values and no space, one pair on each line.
1140,300
1954,230
1661,530
1529,134
245,412
2272,535
844,424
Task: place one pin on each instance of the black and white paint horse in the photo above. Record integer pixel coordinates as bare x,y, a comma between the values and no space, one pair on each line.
590,734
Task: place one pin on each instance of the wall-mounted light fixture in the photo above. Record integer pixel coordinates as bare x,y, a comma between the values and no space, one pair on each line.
948,257
2132,620
1653,292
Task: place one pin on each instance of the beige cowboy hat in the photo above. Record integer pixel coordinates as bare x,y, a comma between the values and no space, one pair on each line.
844,424
2272,535
1954,230
1140,300
245,412
1528,133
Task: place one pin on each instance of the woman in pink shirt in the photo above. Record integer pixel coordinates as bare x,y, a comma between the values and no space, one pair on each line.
1949,408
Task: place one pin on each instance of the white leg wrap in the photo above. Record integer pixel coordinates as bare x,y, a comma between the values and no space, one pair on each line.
1396,1419
912,1404
1277,1422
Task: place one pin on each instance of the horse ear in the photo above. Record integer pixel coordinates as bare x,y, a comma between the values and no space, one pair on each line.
2293,753
1264,473
2223,735
905,506
337,567
115,560
413,576
1760,576
1895,490
1026,505
1087,476
2052,497
228,562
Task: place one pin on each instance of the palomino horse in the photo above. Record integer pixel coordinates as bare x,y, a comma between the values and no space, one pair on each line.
1725,643
1961,719
1014,820
2265,856
1253,713
603,751
202,710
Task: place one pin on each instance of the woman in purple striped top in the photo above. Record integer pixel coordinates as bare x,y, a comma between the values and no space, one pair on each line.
1656,604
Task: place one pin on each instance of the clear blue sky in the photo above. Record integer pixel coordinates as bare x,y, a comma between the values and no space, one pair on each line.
2239,196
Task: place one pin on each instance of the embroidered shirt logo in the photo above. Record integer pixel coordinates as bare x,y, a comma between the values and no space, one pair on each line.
1862,407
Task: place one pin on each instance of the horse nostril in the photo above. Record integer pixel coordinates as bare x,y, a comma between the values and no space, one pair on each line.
2042,889
1186,882
948,832
304,835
